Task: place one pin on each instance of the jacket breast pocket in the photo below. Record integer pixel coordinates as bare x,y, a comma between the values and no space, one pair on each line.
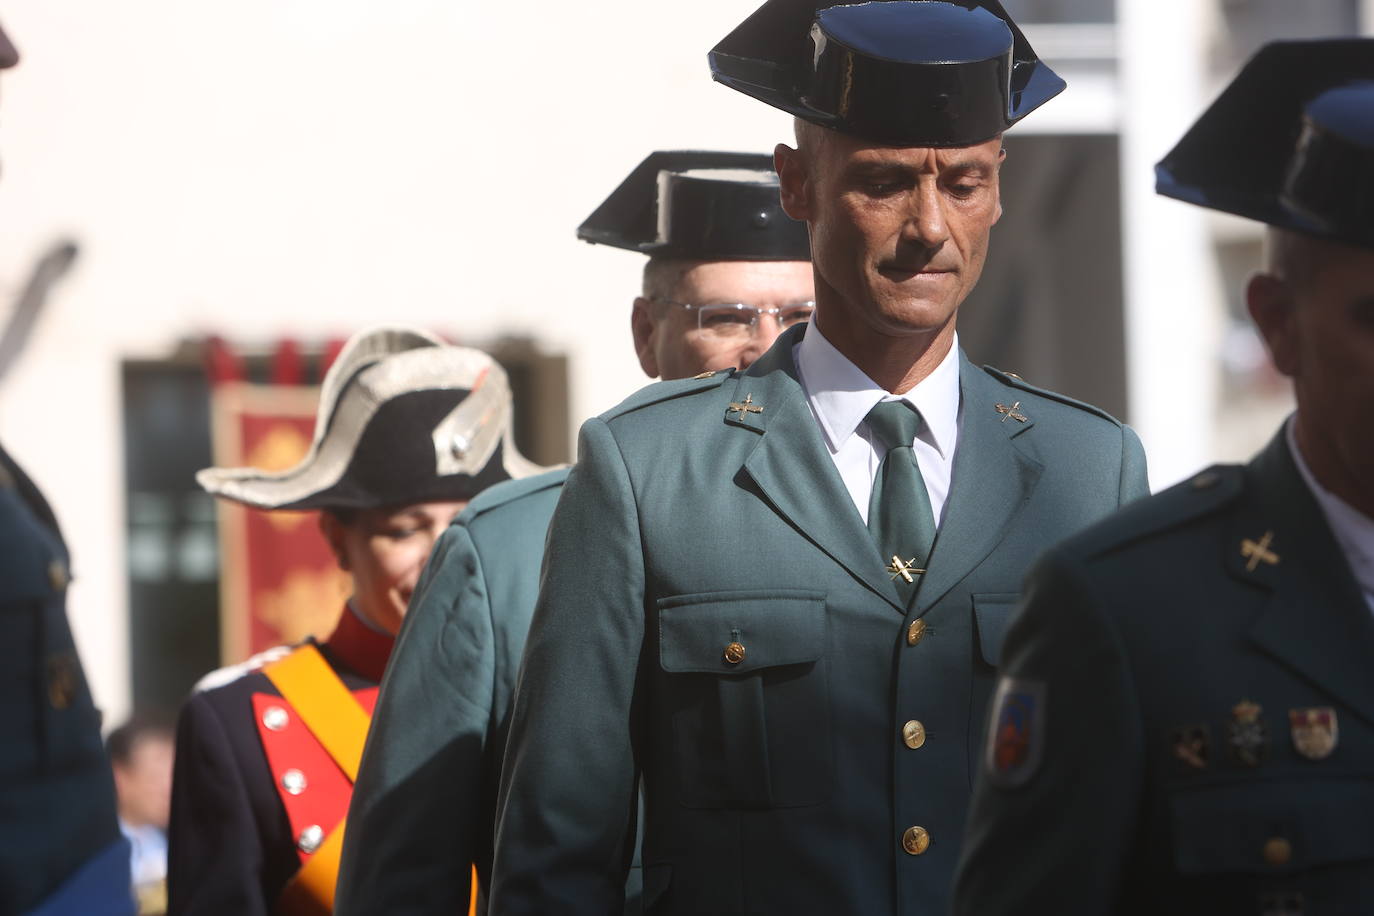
1277,827
745,685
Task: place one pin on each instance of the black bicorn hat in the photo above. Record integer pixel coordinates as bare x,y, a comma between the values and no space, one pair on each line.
704,206
403,418
899,72
1290,142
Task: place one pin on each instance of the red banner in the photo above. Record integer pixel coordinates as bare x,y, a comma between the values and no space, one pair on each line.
279,581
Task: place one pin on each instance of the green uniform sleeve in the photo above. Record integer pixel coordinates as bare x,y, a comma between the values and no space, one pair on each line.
565,820
1049,835
422,807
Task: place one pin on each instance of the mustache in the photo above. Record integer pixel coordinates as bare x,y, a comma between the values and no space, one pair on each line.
915,259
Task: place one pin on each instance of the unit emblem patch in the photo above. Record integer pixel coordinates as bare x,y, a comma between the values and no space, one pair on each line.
1017,740
1315,731
1247,737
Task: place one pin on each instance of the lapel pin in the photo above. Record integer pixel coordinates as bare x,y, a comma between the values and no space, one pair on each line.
1247,735
709,373
1257,552
745,407
1314,731
1011,413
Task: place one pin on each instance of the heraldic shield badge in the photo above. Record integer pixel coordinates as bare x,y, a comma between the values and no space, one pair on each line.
1314,730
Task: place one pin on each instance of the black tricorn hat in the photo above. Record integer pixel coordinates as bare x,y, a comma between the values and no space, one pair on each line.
900,72
403,418
1290,142
705,206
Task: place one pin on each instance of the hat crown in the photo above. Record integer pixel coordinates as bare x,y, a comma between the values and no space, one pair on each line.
1289,142
942,34
1330,179
898,72
704,206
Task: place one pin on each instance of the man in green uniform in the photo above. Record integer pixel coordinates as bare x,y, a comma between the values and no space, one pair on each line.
1185,719
727,271
776,597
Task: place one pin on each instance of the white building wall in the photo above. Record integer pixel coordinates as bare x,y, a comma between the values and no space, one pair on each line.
1174,303
307,167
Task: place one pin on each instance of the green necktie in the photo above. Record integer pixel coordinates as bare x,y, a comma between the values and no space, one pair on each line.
899,515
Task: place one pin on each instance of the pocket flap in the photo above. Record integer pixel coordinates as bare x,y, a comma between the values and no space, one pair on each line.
993,613
763,629
1272,827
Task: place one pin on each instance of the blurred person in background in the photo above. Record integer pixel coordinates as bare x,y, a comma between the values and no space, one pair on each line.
1185,718
141,753
61,851
408,430
727,272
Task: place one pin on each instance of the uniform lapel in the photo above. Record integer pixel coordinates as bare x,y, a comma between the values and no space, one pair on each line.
1316,620
993,479
794,472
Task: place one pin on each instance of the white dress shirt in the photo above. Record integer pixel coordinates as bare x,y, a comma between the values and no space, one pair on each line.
1354,531
841,395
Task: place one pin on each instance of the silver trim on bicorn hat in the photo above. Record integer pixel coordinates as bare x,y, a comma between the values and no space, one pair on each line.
390,380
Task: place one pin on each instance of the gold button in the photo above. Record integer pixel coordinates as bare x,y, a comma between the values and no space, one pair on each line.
734,653
915,632
916,840
1277,851
914,734
57,575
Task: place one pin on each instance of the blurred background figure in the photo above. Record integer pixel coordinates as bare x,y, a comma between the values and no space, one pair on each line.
60,848
141,755
407,431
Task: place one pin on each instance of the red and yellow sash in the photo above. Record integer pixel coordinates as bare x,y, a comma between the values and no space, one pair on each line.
339,723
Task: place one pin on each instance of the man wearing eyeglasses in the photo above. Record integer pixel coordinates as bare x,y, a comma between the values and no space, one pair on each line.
727,272
775,599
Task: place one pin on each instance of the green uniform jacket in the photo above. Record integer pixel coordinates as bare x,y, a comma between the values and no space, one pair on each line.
1205,739
779,783
423,803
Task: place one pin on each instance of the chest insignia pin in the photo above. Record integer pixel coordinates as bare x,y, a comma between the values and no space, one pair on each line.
1315,731
1191,746
1247,735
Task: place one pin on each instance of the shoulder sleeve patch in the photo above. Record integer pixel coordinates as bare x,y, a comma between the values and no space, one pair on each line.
657,392
1012,380
1016,738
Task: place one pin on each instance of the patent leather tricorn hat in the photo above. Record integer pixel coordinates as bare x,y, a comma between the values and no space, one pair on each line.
899,72
403,418
1290,142
705,206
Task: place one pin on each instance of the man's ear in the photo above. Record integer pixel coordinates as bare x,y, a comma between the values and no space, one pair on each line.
1271,304
794,183
333,531
997,176
644,328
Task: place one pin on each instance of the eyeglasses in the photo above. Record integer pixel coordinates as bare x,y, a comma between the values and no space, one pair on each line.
737,320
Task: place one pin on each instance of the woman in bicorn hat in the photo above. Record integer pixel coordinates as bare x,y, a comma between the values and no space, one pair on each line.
408,430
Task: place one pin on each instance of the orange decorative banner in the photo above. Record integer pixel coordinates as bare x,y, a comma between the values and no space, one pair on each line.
279,581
